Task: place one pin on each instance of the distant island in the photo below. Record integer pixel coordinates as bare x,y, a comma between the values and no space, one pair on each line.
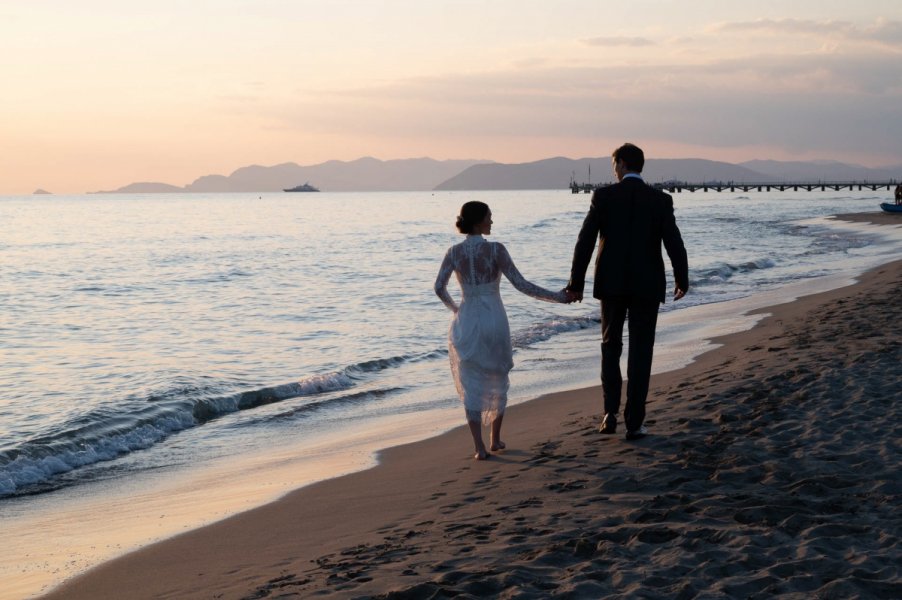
302,188
39,192
144,187
426,174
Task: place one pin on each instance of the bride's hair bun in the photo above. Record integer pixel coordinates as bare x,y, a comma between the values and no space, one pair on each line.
471,214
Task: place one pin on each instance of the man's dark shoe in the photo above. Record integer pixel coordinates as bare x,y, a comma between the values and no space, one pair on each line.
637,434
608,424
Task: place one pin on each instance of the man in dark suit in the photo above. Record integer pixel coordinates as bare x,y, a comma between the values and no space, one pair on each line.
630,220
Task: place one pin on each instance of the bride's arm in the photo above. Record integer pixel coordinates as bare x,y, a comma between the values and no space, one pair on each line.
441,282
527,287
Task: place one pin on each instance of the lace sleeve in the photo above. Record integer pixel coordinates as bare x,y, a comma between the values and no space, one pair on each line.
441,282
506,263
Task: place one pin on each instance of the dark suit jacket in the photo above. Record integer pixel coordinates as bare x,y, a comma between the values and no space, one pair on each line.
631,220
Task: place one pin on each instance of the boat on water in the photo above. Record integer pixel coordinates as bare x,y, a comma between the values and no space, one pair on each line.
302,188
893,208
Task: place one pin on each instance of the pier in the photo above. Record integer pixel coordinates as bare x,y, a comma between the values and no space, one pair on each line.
732,186
585,188
808,186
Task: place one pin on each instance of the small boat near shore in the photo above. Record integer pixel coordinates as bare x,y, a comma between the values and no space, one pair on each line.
897,207
302,188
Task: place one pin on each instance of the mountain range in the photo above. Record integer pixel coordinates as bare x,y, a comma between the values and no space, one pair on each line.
423,174
364,174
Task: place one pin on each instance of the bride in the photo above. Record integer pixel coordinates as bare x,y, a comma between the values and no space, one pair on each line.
479,342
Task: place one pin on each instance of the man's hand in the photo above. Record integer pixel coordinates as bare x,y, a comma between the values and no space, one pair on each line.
678,293
573,296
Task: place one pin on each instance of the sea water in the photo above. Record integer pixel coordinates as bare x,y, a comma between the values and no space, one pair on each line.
185,340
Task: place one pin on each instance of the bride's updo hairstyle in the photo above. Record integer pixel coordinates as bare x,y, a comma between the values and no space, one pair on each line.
471,214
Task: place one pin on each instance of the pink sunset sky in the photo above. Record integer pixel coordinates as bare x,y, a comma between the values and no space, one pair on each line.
98,94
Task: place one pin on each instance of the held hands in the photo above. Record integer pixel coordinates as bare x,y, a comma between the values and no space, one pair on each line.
571,296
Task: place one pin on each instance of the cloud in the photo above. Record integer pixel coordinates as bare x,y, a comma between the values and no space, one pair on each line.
611,41
822,74
785,26
835,105
883,31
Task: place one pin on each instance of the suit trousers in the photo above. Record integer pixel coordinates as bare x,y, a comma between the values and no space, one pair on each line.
641,314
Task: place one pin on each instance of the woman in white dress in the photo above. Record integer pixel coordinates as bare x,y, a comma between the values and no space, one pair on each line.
479,341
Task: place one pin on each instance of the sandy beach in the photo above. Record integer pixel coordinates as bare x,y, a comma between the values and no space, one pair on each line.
772,471
876,218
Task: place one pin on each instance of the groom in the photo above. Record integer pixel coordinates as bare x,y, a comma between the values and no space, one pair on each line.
630,220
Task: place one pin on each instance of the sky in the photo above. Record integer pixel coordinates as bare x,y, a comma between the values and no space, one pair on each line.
97,94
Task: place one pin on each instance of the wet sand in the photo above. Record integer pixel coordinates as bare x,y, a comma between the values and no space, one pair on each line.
877,218
772,470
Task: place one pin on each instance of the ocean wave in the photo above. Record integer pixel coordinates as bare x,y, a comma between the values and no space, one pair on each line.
38,463
353,398
544,223
109,290
837,241
220,277
106,435
539,332
722,272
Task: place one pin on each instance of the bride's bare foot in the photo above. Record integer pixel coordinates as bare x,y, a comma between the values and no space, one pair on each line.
481,455
499,445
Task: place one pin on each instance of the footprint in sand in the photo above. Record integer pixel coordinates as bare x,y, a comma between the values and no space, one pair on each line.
568,486
620,484
450,508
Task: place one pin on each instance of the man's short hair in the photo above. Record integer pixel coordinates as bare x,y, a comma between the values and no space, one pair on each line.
631,155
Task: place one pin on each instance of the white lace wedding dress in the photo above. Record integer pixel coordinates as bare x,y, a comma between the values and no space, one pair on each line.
479,340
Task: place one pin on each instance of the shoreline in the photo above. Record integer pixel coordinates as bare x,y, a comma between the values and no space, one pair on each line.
376,530
875,218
